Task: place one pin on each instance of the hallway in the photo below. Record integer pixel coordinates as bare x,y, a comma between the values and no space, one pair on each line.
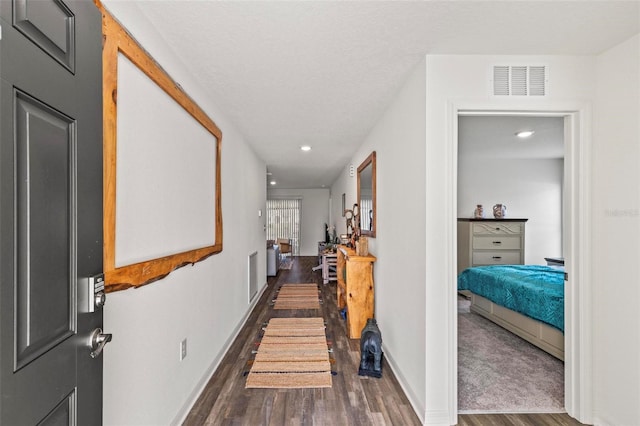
352,400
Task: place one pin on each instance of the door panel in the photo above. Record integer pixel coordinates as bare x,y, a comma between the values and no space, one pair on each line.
62,415
45,147
51,210
50,25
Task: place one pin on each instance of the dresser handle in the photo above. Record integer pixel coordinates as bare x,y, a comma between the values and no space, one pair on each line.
497,242
497,257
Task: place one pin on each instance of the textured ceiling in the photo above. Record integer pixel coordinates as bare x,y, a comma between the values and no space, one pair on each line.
321,73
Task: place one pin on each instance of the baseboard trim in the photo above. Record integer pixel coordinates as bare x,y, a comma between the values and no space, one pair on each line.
436,418
200,386
413,400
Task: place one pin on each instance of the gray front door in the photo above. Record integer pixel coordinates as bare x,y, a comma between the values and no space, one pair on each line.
51,211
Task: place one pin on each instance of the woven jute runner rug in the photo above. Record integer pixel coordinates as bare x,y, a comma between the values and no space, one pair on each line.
298,296
292,354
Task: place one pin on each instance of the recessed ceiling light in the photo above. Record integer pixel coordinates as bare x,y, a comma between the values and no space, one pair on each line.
305,148
525,133
273,182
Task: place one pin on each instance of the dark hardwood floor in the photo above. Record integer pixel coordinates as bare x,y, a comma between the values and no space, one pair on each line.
558,419
352,400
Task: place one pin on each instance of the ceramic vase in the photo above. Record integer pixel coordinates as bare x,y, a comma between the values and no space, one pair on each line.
478,213
499,211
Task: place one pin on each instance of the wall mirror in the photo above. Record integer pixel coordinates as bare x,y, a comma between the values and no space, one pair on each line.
367,195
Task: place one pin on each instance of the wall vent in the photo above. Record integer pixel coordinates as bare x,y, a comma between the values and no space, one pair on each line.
519,80
253,275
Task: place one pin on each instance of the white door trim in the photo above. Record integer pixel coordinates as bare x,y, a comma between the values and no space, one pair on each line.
577,231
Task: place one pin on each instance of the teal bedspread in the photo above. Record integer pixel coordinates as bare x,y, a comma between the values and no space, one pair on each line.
532,290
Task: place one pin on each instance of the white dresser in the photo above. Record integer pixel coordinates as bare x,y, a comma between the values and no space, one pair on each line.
490,242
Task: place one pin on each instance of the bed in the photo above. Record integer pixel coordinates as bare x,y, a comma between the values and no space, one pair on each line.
527,300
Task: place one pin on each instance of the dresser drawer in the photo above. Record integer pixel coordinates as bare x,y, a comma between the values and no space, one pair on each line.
490,242
496,258
498,228
496,242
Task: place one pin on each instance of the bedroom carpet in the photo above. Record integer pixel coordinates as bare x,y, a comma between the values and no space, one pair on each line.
498,372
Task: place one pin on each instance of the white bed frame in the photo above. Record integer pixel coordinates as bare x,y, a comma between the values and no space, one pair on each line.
547,338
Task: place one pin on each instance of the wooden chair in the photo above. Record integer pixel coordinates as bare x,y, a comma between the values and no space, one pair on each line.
285,246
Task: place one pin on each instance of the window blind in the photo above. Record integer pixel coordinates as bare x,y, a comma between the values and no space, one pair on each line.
366,210
283,221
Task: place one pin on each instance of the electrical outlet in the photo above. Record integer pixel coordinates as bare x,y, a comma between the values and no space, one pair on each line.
183,349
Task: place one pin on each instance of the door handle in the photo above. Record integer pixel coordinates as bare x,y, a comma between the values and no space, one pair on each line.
97,340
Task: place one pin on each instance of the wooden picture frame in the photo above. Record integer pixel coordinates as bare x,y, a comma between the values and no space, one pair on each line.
117,43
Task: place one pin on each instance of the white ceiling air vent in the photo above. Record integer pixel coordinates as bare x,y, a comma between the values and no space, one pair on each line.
519,80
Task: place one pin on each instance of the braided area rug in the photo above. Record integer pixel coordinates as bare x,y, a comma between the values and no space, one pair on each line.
293,353
297,296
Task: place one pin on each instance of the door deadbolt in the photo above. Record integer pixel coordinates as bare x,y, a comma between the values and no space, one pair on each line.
91,293
100,299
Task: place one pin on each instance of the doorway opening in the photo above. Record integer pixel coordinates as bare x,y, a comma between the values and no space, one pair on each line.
498,371
575,247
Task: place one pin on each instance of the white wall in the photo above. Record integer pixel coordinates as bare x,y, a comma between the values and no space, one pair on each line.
616,236
344,184
315,215
399,273
464,80
530,188
146,384
144,381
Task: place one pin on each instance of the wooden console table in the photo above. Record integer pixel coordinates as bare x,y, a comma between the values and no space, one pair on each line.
355,289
